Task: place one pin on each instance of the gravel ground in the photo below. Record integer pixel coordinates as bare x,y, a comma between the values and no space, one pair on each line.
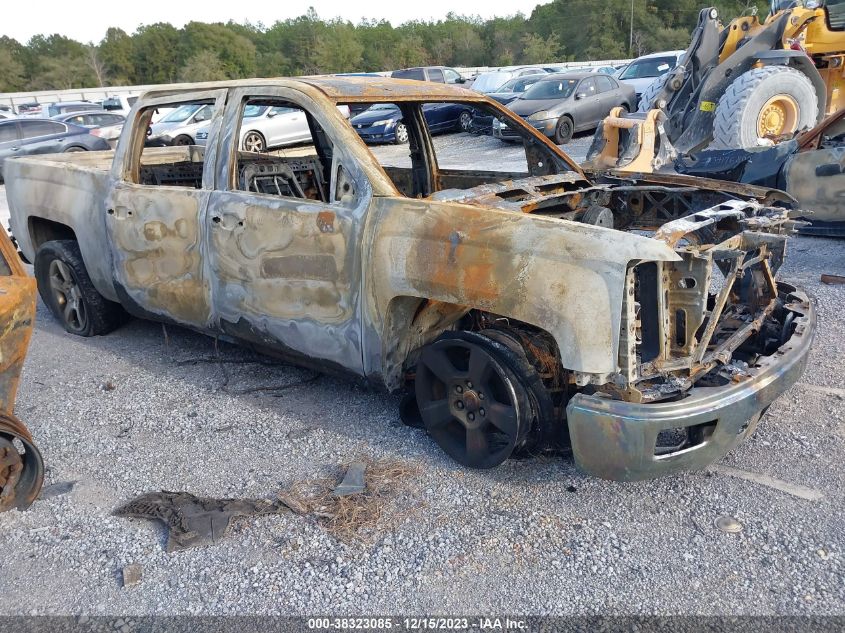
124,414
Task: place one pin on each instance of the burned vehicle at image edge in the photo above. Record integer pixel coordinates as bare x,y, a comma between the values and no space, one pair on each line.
638,319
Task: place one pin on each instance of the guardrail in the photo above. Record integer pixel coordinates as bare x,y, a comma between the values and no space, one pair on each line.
16,99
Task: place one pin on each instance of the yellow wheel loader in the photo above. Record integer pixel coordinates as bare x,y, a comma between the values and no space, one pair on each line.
749,84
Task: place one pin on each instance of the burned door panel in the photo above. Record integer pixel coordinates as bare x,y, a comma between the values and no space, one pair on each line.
287,272
154,213
158,253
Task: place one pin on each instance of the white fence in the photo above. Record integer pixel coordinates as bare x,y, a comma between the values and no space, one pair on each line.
16,99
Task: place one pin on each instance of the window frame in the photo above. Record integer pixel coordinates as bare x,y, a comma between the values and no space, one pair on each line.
226,175
127,160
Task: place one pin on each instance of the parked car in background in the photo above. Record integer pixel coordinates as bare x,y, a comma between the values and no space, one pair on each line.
119,103
641,72
106,125
179,126
604,70
22,137
382,122
439,74
7,110
7,115
482,121
264,127
560,105
32,107
49,110
493,80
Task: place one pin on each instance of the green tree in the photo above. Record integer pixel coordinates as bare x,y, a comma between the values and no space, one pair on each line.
12,70
115,52
157,54
537,50
235,52
203,66
339,49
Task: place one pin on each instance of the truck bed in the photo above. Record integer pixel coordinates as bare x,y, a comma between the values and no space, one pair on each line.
61,189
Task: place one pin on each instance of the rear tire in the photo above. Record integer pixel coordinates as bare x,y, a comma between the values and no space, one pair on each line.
183,139
254,142
66,288
776,98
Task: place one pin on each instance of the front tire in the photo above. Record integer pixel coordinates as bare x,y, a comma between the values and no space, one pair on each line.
66,288
763,104
183,139
564,130
400,134
472,399
465,121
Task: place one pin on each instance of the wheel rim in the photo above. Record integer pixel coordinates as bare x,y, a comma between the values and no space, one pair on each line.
183,141
68,296
401,133
253,142
21,473
778,116
467,402
465,121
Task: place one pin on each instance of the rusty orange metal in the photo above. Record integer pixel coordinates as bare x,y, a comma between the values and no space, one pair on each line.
21,465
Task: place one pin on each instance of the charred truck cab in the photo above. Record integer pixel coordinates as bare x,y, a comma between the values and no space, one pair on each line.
638,318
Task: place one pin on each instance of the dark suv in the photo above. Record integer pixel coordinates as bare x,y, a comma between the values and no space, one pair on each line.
439,74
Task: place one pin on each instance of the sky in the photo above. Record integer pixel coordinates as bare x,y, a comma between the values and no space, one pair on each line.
89,25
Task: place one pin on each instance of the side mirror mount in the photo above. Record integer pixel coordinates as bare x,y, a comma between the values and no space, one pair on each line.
271,114
580,95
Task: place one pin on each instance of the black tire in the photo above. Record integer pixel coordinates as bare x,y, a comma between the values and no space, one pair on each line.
564,130
400,134
647,97
735,124
183,139
76,148
479,424
75,302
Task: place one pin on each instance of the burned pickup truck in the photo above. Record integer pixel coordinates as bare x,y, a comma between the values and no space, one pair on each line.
639,319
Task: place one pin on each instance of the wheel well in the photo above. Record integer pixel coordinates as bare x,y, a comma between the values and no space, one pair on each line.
42,230
412,322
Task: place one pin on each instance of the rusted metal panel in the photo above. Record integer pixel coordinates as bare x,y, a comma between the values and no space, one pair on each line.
543,271
21,474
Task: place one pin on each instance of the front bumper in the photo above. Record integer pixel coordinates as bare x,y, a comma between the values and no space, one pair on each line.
617,440
376,133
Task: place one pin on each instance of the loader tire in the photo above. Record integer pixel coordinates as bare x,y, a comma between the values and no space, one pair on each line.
648,95
773,100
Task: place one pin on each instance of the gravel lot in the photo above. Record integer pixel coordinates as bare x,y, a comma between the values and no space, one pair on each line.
126,414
